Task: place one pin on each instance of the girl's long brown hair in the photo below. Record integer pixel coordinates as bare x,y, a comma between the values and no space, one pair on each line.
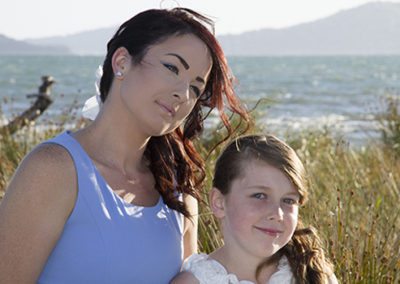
304,251
175,163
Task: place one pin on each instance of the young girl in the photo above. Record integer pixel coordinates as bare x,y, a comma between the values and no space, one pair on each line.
106,204
258,186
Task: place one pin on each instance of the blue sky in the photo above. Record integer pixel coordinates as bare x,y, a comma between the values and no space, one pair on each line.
22,19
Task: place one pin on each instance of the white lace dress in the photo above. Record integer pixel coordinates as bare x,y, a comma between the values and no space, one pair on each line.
210,271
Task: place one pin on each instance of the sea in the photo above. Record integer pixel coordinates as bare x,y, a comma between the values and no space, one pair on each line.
340,93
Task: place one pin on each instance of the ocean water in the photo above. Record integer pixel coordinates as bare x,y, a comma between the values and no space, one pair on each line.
341,93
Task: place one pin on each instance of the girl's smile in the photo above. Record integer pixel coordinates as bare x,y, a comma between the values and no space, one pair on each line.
270,231
259,214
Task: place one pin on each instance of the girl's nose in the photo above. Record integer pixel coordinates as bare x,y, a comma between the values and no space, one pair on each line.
275,212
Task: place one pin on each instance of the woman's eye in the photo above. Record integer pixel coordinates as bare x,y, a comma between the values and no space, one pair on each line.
196,91
259,195
172,68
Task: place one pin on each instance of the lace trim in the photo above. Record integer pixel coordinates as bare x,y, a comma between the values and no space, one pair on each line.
208,270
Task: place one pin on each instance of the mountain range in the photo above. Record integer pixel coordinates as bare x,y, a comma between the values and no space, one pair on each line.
9,46
370,29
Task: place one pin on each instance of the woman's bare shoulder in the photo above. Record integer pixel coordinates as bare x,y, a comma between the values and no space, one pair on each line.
47,171
49,153
46,158
36,205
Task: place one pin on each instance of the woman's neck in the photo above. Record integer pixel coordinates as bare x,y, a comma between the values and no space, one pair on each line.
112,140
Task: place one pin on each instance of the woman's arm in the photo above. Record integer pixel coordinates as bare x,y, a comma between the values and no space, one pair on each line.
190,227
185,278
36,205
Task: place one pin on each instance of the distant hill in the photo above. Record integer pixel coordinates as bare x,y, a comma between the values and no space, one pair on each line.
373,28
9,46
370,29
83,43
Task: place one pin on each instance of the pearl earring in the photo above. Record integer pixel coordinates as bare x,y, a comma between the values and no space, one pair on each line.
118,74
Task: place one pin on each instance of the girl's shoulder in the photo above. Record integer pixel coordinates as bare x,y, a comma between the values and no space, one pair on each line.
208,270
332,279
283,273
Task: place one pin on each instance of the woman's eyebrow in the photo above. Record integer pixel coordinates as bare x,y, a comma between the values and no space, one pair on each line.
183,61
201,80
185,65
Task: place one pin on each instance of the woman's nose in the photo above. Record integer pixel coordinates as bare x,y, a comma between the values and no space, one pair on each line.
182,91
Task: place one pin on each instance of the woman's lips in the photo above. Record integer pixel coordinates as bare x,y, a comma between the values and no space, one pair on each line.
171,112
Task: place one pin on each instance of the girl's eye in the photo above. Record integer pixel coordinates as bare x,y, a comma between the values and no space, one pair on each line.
259,195
172,68
290,201
196,91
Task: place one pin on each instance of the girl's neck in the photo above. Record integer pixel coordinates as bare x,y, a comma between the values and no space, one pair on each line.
243,267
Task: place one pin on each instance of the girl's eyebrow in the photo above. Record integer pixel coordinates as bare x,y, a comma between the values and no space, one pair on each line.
267,188
296,194
185,65
260,187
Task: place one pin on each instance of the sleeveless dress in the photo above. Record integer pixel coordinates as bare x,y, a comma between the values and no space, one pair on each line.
108,240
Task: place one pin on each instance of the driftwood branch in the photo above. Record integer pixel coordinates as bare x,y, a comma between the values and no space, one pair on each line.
43,101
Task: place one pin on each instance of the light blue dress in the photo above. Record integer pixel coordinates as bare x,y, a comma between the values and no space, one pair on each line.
107,240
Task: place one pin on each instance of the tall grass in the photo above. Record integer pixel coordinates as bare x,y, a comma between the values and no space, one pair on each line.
354,204
354,195
354,200
389,123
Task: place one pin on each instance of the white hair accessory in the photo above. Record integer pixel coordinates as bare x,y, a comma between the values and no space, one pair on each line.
92,106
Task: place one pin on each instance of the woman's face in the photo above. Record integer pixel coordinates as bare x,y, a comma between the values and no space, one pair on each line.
161,91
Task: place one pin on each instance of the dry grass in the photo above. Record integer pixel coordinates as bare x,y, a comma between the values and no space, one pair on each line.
354,200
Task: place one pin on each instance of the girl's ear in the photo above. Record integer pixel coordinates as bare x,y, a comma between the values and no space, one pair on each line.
121,61
217,203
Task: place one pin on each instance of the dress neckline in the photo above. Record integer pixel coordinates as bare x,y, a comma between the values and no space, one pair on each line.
283,274
109,188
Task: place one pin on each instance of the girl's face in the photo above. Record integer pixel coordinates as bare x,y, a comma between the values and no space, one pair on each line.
259,214
161,91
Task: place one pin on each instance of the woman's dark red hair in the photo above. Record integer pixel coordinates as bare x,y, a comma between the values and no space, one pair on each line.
176,165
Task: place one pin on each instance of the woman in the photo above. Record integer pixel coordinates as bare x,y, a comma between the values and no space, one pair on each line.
106,204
